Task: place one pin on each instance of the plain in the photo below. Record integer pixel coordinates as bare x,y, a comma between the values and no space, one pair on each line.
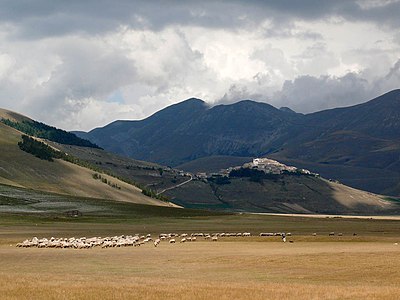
361,266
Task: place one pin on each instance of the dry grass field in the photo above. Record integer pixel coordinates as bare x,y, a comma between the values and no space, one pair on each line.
205,270
366,266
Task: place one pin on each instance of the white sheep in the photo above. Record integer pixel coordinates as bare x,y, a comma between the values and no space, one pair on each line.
267,234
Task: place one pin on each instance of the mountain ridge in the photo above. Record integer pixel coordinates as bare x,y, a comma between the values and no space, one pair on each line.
190,130
294,192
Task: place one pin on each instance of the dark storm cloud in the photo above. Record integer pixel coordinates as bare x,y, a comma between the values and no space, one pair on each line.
49,18
34,19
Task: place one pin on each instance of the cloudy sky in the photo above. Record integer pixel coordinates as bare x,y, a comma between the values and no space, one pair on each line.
82,64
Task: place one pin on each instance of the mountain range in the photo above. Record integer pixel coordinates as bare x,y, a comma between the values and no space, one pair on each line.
357,145
38,158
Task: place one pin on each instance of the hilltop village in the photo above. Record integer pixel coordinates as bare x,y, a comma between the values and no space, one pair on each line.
266,165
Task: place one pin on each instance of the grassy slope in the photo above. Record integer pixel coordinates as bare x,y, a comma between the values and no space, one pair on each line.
7,114
20,208
145,173
290,194
365,178
22,169
27,204
285,196
333,195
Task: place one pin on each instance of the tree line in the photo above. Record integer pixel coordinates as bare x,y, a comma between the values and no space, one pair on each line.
39,149
45,152
50,133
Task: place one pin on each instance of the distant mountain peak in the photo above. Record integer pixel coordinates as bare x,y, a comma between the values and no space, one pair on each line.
287,109
192,102
248,104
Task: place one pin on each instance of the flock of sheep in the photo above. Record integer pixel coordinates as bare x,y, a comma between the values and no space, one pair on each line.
123,241
138,240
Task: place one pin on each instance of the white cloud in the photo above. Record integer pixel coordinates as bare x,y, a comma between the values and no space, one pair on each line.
83,66
88,113
309,94
316,60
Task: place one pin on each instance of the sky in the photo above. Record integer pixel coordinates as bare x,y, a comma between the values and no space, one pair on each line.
79,64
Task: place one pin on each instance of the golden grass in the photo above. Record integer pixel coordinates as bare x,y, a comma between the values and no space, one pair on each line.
205,270
133,288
